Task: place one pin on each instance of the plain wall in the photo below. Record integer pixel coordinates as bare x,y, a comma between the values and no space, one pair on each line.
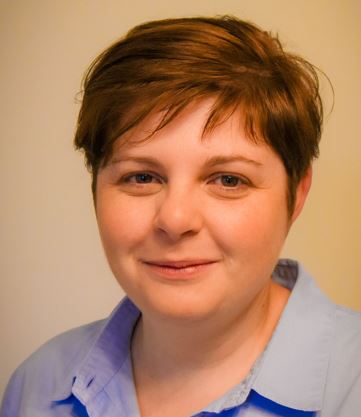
53,272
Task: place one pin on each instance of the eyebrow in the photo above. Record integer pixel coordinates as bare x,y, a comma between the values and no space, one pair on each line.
210,162
219,160
140,159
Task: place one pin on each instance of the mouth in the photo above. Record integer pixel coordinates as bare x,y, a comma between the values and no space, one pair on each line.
180,270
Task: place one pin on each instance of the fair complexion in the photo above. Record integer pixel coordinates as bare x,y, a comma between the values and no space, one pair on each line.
192,228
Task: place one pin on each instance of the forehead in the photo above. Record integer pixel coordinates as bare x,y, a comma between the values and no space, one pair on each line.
226,137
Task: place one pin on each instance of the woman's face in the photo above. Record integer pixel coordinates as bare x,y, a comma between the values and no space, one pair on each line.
193,227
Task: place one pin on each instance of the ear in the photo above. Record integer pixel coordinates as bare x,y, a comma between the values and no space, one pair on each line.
301,194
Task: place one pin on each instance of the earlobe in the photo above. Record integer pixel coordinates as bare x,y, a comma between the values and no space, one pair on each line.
301,194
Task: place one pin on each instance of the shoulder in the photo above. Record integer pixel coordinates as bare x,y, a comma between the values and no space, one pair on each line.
67,346
343,387
63,352
49,369
347,322
346,345
346,341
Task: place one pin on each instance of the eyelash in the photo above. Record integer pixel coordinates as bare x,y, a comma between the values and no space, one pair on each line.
127,179
241,181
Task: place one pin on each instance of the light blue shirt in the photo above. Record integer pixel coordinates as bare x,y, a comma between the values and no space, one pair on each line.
311,367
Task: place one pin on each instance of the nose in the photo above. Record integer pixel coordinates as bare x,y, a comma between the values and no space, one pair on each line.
178,214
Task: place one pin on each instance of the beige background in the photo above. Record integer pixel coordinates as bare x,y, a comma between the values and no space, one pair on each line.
53,273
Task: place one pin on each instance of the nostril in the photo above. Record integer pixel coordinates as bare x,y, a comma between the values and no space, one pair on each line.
178,217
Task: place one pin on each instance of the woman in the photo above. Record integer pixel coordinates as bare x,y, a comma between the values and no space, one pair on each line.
199,134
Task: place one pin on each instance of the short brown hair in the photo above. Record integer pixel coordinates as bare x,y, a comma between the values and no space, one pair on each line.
167,64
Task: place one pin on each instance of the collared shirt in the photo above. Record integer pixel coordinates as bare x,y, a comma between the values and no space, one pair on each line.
311,366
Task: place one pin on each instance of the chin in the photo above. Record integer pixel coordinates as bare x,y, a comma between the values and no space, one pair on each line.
177,304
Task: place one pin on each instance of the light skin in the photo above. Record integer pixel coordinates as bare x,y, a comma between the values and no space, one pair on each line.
192,228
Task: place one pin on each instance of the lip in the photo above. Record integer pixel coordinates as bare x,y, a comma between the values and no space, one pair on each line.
181,263
181,270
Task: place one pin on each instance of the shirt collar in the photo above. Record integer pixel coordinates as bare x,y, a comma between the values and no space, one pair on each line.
294,367
292,371
104,357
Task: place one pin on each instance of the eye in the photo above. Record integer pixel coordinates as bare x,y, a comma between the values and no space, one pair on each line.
229,185
140,178
230,181
140,183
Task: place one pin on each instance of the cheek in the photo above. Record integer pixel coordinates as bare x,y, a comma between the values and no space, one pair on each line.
253,227
122,222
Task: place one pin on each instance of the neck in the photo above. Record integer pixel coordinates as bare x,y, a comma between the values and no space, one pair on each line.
169,347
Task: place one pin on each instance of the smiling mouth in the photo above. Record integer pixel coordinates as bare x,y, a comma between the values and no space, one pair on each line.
179,269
